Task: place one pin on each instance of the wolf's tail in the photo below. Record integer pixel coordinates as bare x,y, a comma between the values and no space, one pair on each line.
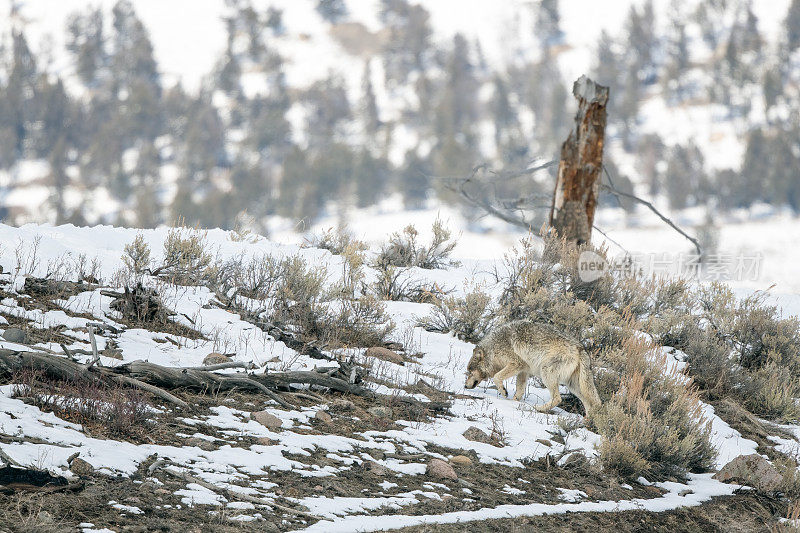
590,398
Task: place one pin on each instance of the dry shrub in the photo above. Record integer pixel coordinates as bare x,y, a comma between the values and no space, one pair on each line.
109,409
651,420
404,250
741,349
358,322
652,425
186,260
137,256
399,285
470,318
300,301
258,277
337,241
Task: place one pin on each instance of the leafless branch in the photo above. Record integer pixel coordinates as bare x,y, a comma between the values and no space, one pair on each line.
652,208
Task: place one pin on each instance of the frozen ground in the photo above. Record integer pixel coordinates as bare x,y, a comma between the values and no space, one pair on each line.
248,458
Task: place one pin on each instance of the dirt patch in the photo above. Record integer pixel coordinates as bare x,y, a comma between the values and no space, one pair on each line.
161,510
745,512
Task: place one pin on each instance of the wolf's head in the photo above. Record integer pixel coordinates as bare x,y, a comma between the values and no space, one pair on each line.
477,369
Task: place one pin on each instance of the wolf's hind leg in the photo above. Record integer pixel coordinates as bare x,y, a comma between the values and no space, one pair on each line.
509,370
522,385
550,380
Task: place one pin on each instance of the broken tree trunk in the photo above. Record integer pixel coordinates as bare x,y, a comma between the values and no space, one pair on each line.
158,379
581,164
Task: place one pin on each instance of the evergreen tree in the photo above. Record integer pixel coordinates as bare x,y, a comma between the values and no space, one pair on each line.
369,104
792,24
60,181
86,42
332,10
685,181
415,180
329,110
409,44
372,176
547,28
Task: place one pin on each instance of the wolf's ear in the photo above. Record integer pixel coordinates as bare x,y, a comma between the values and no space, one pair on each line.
478,353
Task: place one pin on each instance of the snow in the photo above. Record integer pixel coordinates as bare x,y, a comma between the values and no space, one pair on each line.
290,448
701,488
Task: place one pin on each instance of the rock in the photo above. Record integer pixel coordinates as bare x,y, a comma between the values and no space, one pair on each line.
79,467
15,335
477,435
215,358
380,411
340,404
385,354
265,441
374,468
377,454
203,444
113,353
461,460
440,469
323,417
752,470
266,419
545,442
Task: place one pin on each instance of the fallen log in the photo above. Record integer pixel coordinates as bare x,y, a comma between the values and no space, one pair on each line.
189,378
158,380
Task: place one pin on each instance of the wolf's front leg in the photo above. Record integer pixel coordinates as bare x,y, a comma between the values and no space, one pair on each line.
522,385
503,375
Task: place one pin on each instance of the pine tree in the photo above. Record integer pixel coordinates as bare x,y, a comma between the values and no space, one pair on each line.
58,176
369,104
86,42
547,28
415,181
409,46
332,10
792,24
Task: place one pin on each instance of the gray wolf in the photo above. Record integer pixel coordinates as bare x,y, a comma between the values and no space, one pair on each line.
524,348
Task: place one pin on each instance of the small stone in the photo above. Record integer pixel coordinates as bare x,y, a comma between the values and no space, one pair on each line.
385,354
461,460
215,358
79,467
477,435
440,469
15,335
266,419
203,444
323,417
752,470
545,442
374,468
377,454
266,441
380,411
113,353
340,404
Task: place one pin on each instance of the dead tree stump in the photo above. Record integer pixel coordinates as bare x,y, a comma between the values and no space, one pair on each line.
581,164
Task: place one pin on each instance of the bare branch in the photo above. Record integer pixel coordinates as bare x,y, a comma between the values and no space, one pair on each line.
652,208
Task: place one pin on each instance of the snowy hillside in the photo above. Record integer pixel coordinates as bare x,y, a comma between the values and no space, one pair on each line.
320,460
